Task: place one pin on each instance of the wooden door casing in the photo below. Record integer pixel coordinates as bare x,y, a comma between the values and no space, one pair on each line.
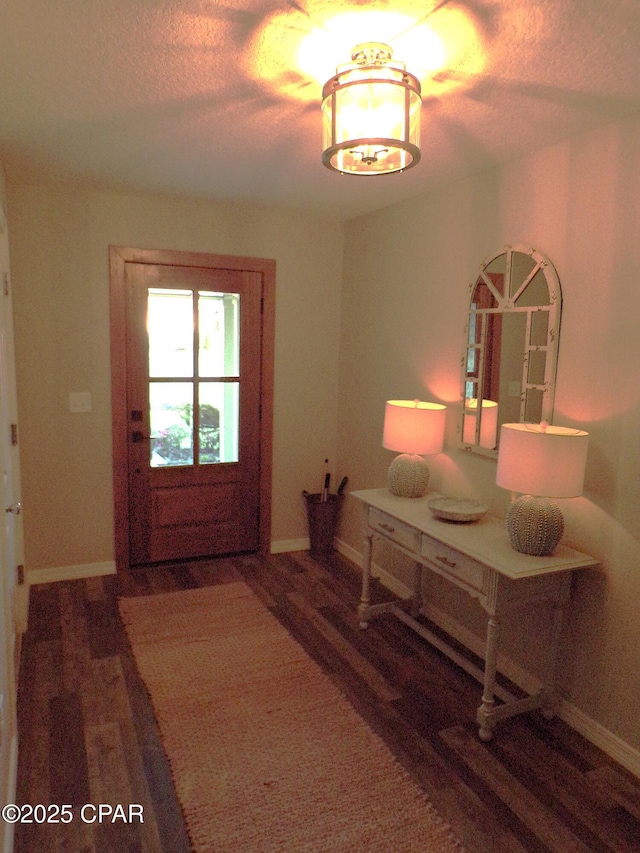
256,272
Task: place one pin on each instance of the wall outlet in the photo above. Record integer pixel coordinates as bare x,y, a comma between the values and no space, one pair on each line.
79,401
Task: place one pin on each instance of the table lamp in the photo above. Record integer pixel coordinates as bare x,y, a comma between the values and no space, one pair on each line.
541,461
488,422
413,429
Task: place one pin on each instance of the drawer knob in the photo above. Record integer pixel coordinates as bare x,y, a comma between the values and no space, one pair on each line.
446,562
387,527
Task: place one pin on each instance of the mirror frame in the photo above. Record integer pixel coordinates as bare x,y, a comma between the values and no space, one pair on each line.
505,303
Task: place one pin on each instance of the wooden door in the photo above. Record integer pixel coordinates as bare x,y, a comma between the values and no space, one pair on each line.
194,381
13,592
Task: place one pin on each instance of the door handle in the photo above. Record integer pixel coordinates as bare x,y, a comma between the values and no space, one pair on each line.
15,509
137,437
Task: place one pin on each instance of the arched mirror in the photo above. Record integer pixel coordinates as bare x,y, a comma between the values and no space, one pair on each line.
511,346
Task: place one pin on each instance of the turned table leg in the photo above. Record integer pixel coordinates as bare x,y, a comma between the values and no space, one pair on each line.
486,709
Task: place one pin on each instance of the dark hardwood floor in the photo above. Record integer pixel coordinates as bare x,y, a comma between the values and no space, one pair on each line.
87,732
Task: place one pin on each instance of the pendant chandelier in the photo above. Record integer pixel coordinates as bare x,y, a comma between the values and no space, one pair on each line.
371,114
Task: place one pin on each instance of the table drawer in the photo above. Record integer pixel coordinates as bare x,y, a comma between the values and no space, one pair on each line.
455,564
390,527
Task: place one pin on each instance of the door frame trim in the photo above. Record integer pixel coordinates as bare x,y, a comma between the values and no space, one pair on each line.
119,256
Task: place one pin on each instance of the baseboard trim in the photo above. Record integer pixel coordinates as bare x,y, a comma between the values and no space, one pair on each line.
594,732
599,736
281,546
70,573
349,552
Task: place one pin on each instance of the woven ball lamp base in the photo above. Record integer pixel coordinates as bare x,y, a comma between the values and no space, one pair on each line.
408,476
535,525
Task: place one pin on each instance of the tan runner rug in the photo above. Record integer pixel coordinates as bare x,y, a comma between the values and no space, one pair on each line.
266,753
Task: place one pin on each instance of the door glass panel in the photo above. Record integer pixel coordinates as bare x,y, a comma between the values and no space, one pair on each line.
218,323
172,340
170,328
473,364
171,421
219,416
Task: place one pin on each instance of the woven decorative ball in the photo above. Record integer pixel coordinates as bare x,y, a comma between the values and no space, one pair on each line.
408,476
535,525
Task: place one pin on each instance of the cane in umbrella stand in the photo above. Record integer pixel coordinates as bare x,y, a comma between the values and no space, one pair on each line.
323,514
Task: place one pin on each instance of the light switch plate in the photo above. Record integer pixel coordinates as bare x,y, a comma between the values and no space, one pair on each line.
79,401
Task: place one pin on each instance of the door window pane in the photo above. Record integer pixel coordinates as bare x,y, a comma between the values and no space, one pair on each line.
170,328
218,326
218,432
173,337
170,410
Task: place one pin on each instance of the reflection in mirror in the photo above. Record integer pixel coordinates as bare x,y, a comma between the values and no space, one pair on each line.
511,346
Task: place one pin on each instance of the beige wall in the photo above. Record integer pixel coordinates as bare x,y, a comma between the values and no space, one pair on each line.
405,300
59,250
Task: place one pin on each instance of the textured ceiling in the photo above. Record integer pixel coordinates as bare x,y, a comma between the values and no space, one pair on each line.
207,97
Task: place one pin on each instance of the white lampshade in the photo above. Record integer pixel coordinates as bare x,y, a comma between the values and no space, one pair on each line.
542,460
414,429
411,426
488,422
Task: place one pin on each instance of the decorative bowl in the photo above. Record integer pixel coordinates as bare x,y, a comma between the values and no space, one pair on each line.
457,509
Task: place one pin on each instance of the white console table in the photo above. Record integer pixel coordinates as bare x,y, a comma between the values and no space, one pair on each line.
478,558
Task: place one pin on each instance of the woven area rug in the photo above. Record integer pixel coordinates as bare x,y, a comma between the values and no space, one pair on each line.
266,753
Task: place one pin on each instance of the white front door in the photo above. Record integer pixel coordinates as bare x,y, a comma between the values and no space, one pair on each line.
12,597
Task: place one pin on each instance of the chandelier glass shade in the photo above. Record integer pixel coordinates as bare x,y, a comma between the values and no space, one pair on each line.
371,115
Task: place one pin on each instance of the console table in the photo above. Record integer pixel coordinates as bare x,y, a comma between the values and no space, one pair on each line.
478,558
